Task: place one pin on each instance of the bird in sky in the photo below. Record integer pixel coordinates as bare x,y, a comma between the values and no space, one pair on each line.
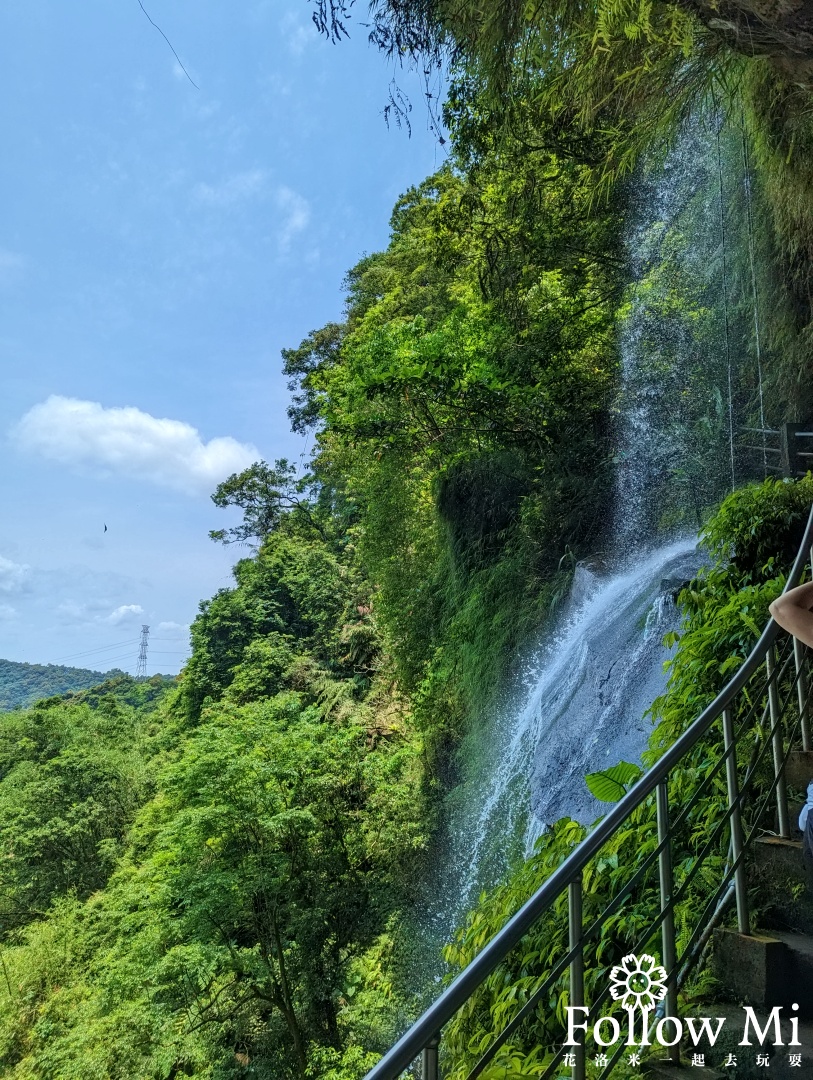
105,528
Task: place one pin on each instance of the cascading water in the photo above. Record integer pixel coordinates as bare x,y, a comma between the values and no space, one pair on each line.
646,444
579,706
677,403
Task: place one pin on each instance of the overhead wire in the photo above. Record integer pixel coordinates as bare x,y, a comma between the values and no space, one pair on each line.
101,648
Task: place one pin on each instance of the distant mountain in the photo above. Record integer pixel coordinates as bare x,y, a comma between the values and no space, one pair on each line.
23,684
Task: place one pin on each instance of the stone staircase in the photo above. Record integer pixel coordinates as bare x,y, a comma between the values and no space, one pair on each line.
768,968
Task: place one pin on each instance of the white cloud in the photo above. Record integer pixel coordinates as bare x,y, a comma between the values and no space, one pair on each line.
173,629
7,611
296,214
124,613
12,575
129,442
234,189
91,611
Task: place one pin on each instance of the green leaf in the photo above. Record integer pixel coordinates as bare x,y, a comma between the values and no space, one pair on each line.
611,784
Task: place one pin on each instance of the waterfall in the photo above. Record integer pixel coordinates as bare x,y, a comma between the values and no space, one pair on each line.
580,701
578,707
683,319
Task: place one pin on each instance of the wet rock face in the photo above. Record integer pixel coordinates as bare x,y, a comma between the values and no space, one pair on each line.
672,586
781,30
587,710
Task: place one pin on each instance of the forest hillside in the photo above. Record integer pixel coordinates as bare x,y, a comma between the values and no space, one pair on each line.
23,684
222,876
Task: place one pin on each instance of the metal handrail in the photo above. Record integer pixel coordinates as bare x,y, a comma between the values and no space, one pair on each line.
423,1035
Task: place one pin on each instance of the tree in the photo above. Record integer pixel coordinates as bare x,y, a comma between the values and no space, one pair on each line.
320,348
437,30
71,779
265,495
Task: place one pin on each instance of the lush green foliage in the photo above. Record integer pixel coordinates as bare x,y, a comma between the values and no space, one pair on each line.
751,541
23,684
265,495
72,779
217,879
463,407
213,880
636,71
215,887
610,784
779,121
297,598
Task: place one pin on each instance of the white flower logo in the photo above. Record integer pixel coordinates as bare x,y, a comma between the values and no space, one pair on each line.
638,983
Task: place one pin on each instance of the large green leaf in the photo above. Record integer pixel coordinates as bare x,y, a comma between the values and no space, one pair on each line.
612,783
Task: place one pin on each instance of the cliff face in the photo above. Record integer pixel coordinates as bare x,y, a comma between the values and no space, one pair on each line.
781,30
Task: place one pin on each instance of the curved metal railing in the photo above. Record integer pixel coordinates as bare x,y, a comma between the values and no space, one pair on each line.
767,703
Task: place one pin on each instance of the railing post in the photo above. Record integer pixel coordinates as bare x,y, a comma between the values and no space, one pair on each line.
741,888
668,924
800,656
429,1060
778,748
789,445
574,920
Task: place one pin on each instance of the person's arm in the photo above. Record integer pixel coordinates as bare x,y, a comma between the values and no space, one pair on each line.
792,610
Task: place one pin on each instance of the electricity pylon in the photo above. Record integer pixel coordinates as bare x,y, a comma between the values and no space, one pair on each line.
141,666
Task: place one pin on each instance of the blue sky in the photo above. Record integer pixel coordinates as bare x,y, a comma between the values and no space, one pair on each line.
159,245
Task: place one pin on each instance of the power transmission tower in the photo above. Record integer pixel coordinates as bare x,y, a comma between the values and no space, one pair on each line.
141,666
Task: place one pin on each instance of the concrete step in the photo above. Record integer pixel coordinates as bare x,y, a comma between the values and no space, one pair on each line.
784,884
779,855
765,969
799,969
799,769
727,1048
750,967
